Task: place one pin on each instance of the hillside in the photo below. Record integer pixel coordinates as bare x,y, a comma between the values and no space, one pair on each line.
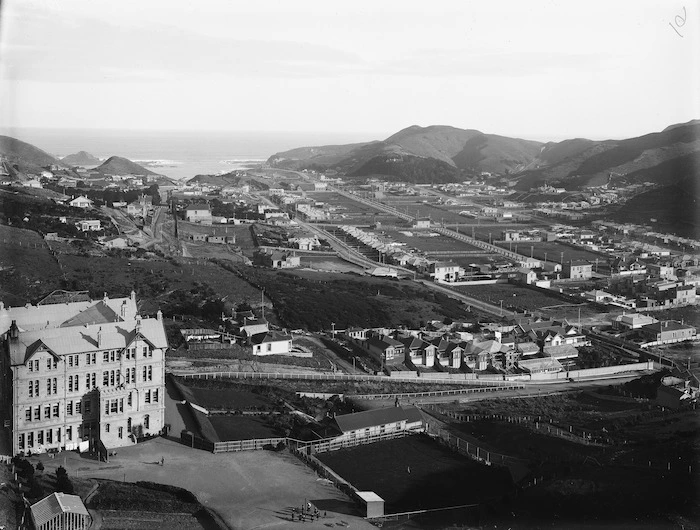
116,165
652,157
573,163
82,159
461,149
25,157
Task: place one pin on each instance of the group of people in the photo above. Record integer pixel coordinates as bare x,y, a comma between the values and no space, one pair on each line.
308,511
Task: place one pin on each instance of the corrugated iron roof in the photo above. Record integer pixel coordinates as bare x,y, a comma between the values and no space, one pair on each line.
370,418
56,504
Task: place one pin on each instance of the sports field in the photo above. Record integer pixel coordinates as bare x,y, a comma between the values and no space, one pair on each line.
416,473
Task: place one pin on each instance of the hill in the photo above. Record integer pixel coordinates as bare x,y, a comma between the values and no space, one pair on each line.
439,146
651,157
26,158
116,165
425,154
82,159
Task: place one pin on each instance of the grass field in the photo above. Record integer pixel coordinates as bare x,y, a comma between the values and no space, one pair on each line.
27,269
416,473
516,297
231,428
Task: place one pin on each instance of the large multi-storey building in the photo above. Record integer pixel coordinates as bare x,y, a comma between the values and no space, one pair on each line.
81,374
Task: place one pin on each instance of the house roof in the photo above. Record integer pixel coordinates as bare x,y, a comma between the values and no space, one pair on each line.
666,325
200,206
269,336
384,342
56,504
540,364
372,418
563,351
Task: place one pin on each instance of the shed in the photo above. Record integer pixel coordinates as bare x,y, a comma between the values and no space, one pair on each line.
374,503
60,511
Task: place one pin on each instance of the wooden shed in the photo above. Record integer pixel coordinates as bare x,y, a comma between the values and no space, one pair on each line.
60,511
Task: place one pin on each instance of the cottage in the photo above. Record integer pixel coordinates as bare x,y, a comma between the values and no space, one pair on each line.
444,271
80,202
198,213
89,225
271,343
578,270
667,331
385,349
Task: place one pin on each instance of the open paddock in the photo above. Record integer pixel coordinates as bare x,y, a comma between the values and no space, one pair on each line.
554,251
416,472
516,297
233,427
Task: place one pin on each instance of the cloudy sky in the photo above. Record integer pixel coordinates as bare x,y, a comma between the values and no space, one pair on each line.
535,69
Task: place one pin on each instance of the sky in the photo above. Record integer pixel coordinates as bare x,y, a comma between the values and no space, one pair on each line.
536,69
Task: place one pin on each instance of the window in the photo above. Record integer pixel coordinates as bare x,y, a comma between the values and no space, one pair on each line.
121,404
49,436
28,414
70,383
269,347
106,427
133,375
77,385
69,408
78,407
55,385
113,406
150,373
36,365
58,435
128,376
48,363
87,358
111,378
128,424
40,437
155,396
148,396
69,433
145,371
105,357
31,388
94,377
48,387
146,421
106,408
121,432
112,356
31,366
105,378
20,441
77,360
128,399
55,410
70,361
47,411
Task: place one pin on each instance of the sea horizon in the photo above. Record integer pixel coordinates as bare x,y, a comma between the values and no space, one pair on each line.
178,154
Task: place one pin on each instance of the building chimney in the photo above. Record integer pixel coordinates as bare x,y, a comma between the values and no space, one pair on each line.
159,315
138,324
13,331
133,296
99,338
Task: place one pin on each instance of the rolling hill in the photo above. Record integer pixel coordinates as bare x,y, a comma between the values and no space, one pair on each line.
441,153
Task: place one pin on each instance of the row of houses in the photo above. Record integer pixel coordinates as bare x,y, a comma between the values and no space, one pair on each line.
532,346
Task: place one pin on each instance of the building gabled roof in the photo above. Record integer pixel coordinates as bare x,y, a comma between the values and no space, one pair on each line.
384,342
199,206
56,504
269,336
99,313
82,339
370,418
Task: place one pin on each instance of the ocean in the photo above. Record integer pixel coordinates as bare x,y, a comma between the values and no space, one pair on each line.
180,154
